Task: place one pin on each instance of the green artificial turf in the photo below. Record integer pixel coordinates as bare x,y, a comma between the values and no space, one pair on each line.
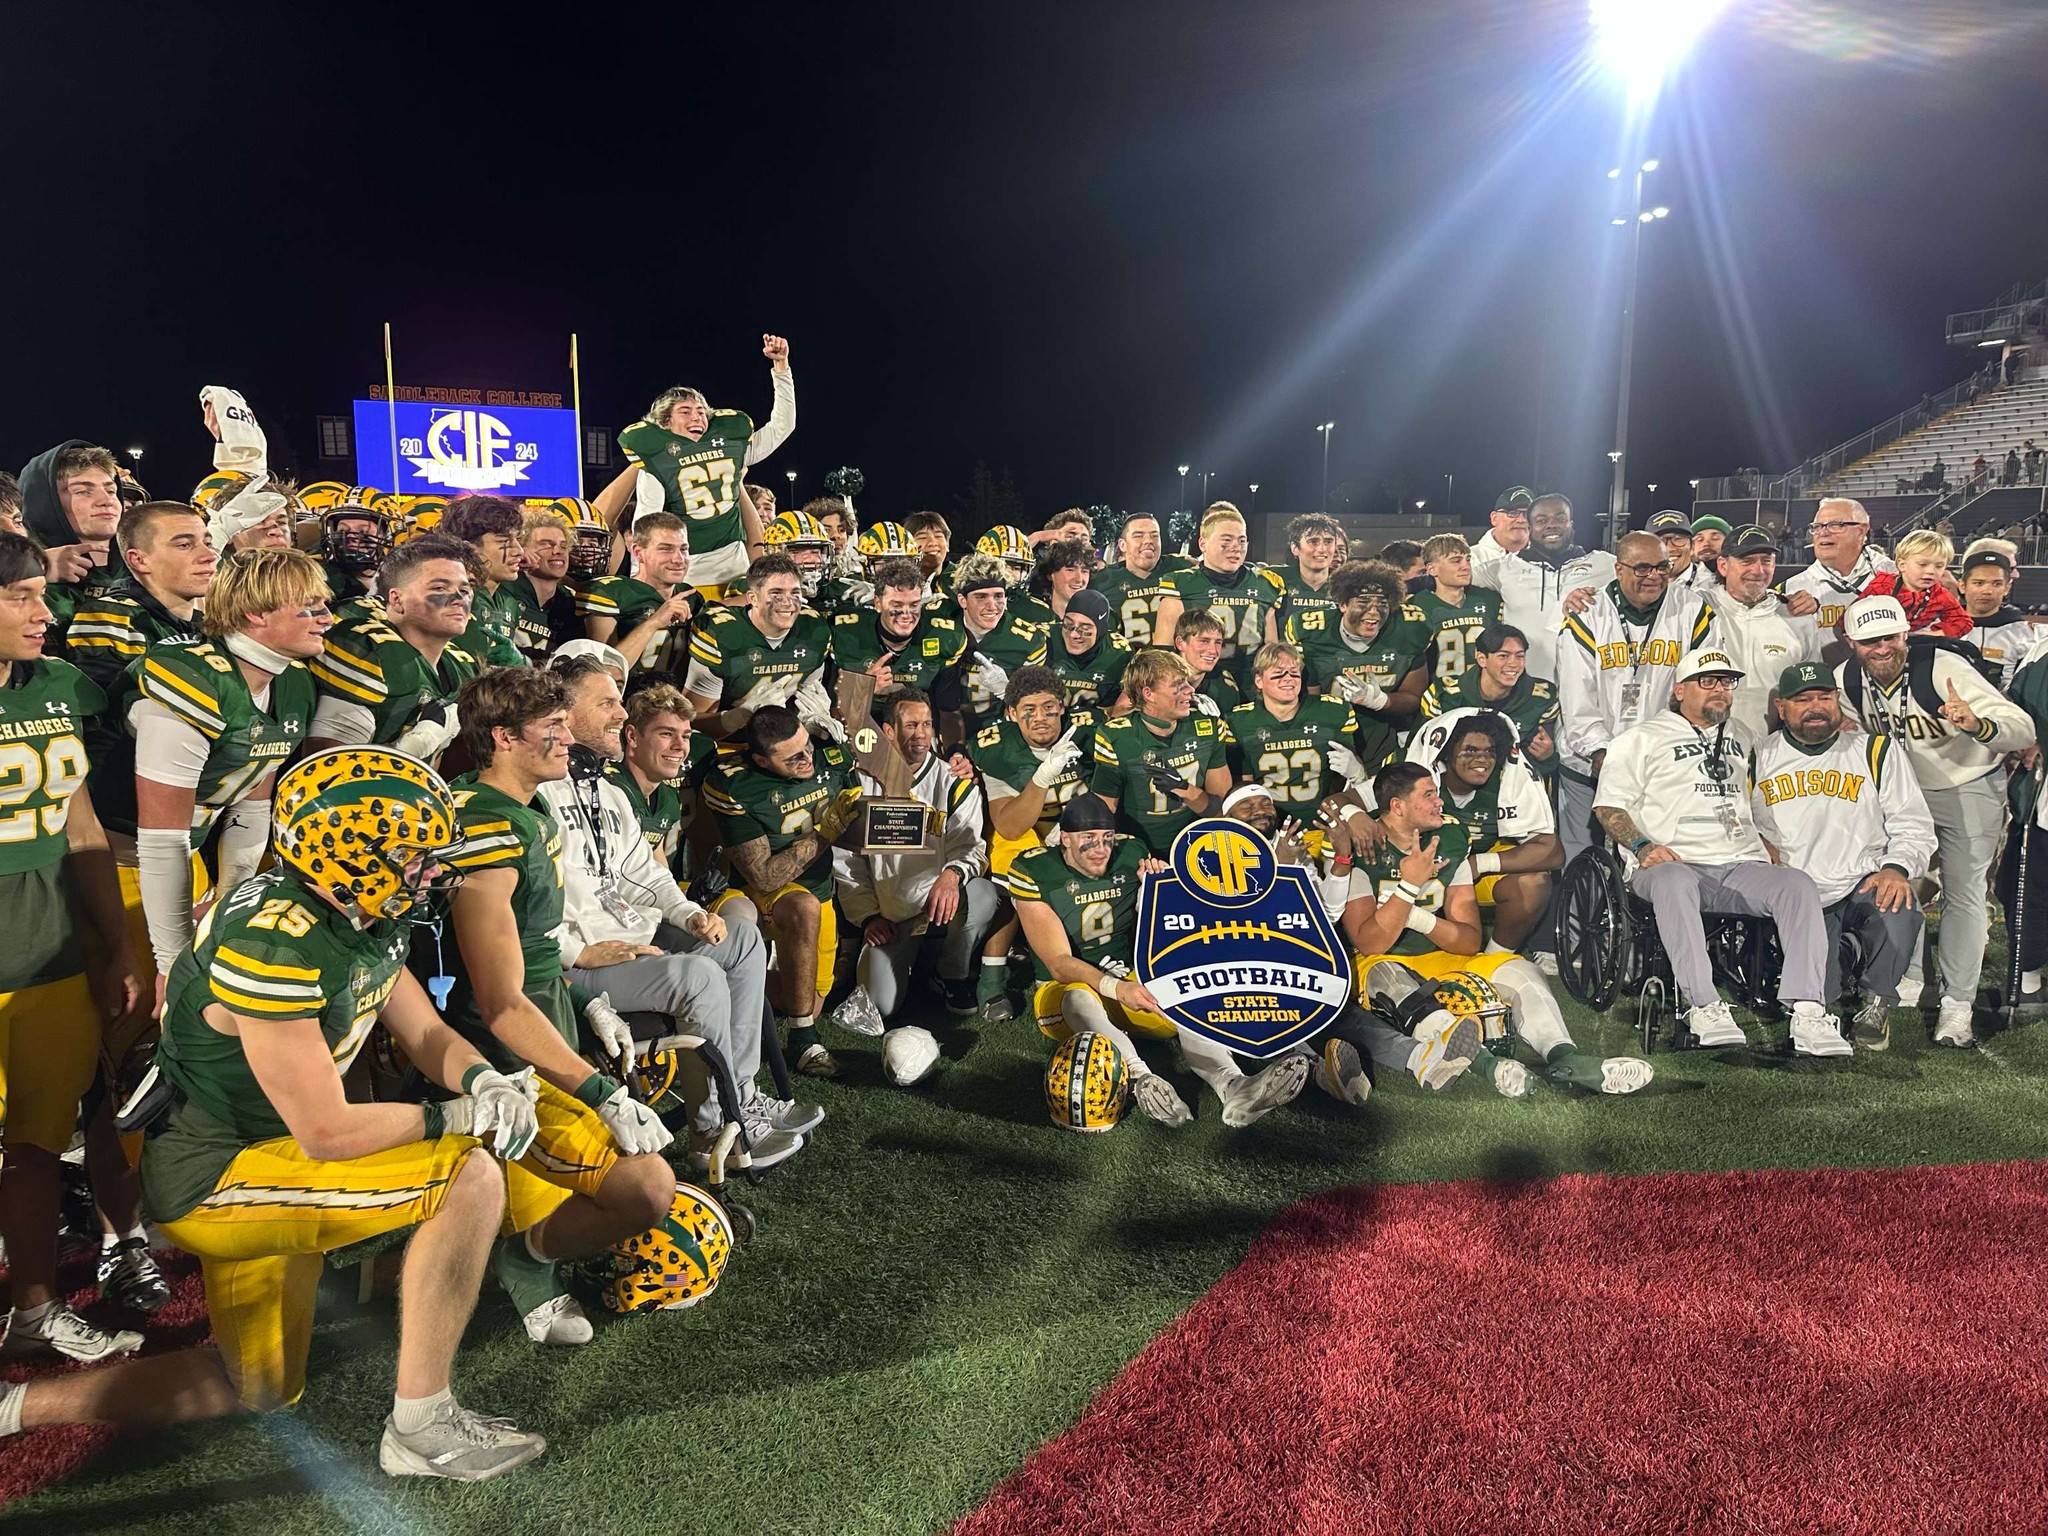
943,1280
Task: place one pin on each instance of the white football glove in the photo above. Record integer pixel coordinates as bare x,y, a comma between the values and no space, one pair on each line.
610,1028
771,690
498,1111
1059,757
814,708
429,736
1353,689
1344,762
634,1126
1116,968
989,677
1204,705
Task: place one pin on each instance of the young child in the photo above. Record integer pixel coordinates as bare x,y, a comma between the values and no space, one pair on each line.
1931,608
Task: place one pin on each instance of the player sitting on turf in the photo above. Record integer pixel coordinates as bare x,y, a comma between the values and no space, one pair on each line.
1162,765
258,1162
770,652
1849,812
1675,795
512,1003
938,895
1413,903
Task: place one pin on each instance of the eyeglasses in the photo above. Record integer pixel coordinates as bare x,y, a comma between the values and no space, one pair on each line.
1715,683
1830,527
1646,571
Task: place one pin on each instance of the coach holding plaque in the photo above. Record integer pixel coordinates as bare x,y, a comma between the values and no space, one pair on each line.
915,871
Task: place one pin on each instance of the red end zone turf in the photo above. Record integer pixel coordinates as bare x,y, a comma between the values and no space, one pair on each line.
1781,1351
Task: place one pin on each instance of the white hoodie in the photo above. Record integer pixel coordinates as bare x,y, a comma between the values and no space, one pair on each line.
896,885
614,833
1763,640
1532,593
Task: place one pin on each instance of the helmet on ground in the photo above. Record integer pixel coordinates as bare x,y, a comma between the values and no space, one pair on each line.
675,1264
590,542
346,819
1087,1083
886,541
322,494
354,539
1009,545
803,538
1467,994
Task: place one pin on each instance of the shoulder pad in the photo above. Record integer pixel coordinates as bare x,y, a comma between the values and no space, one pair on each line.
1272,578
1242,709
732,417
460,654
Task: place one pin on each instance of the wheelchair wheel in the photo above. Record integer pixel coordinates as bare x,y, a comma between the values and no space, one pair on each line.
1656,1012
1593,930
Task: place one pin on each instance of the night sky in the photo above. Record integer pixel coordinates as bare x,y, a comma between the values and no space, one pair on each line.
1084,242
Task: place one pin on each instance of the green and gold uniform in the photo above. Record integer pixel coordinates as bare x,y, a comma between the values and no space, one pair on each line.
1383,869
105,641
542,626
1095,681
64,598
750,804
1453,628
494,634
1220,689
1303,598
1530,705
699,478
1006,763
1241,600
1328,652
661,813
1478,819
1100,915
1126,748
936,644
1292,757
1013,643
1135,599
628,601
728,644
372,665
500,833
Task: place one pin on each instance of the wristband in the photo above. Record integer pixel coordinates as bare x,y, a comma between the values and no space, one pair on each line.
1413,892
1339,864
1419,921
1485,863
436,1121
469,1077
1639,845
595,1089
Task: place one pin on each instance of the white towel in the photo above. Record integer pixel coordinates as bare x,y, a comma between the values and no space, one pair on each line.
242,444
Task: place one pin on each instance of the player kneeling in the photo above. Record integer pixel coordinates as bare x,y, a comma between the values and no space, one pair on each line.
1412,903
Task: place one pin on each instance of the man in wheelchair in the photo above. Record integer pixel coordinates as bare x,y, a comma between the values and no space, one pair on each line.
1412,903
1674,795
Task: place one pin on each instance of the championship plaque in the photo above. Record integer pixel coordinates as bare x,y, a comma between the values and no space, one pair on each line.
894,821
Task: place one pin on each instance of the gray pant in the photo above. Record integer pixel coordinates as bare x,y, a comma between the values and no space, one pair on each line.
1574,815
1968,822
717,991
1891,942
1679,892
884,969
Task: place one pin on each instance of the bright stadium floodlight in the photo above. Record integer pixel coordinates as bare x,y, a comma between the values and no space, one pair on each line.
1641,41
1660,212
1649,165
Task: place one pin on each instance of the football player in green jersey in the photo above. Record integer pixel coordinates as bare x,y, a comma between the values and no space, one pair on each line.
393,681
1455,611
59,894
1136,584
490,525
170,560
1089,657
1415,907
1317,543
1063,569
1500,681
258,1162
1371,655
1163,765
1198,640
900,643
1300,750
647,616
71,504
801,536
1013,547
511,999
354,542
547,616
658,749
772,652
1244,596
998,641
780,803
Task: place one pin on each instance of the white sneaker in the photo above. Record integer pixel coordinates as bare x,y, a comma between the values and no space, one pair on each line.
1444,1047
1340,1073
1712,1024
858,1015
63,1332
1952,1024
2030,983
1254,1094
458,1444
1817,1033
1909,992
560,1321
1157,1100
1625,1074
1544,961
1512,1080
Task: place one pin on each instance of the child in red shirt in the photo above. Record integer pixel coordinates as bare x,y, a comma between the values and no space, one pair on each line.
1931,608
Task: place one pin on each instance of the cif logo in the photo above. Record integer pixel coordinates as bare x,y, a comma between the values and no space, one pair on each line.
1223,861
470,450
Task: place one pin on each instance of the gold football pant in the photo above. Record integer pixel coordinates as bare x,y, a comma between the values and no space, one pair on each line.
764,906
49,1050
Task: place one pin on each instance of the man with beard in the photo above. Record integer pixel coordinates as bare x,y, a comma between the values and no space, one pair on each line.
1675,795
1756,627
1844,560
1534,565
1848,811
1501,681
1709,534
1371,655
1244,596
1136,584
999,643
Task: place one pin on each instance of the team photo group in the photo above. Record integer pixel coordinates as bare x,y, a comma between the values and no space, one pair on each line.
478,883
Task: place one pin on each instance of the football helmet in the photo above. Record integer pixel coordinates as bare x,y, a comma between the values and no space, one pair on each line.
222,485
419,514
345,818
676,1264
886,541
803,538
353,539
370,496
1010,546
590,542
1468,995
653,1078
1087,1083
322,494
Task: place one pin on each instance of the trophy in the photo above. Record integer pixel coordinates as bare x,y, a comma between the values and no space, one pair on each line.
892,822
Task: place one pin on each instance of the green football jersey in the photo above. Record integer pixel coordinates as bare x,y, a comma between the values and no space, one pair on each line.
1478,819
1013,643
1292,757
200,684
728,644
1384,871
1007,761
1242,600
1220,689
495,633
751,804
1303,598
1134,599
661,813
270,950
1329,652
1531,705
44,707
64,598
628,601
1099,915
936,644
1126,749
373,665
1454,628
1025,608
107,635
1095,681
699,477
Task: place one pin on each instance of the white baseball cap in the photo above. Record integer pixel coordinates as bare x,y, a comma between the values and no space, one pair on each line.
1872,618
1708,661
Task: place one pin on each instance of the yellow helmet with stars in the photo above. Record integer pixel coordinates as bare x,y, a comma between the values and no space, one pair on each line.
1468,995
370,496
1087,1083
1007,544
421,513
674,1264
221,485
346,820
886,541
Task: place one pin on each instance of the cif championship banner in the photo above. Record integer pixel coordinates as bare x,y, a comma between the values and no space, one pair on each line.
452,450
1236,946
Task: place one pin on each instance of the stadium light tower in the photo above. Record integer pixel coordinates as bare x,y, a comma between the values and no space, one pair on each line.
1255,497
1617,500
1183,487
1326,428
790,476
1640,42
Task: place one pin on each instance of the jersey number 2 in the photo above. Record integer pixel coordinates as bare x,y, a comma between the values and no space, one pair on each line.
57,771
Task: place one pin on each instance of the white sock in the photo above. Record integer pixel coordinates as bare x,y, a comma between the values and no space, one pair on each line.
13,1398
32,1317
109,1241
532,1252
995,962
1495,947
410,1415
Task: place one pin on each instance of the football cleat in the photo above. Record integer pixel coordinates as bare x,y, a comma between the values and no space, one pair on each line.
1156,1100
1257,1094
458,1444
1625,1074
1512,1080
816,1061
675,1264
1087,1083
129,1276
560,1320
1341,1074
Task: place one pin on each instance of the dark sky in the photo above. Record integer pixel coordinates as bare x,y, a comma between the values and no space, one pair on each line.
1085,242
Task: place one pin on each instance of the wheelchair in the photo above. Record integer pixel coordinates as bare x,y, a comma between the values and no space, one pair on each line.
1608,948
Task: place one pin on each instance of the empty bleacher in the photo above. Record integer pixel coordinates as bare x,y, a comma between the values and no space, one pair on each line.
1997,420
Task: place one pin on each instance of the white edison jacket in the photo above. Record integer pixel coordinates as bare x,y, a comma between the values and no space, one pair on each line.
641,878
1603,652
1840,812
